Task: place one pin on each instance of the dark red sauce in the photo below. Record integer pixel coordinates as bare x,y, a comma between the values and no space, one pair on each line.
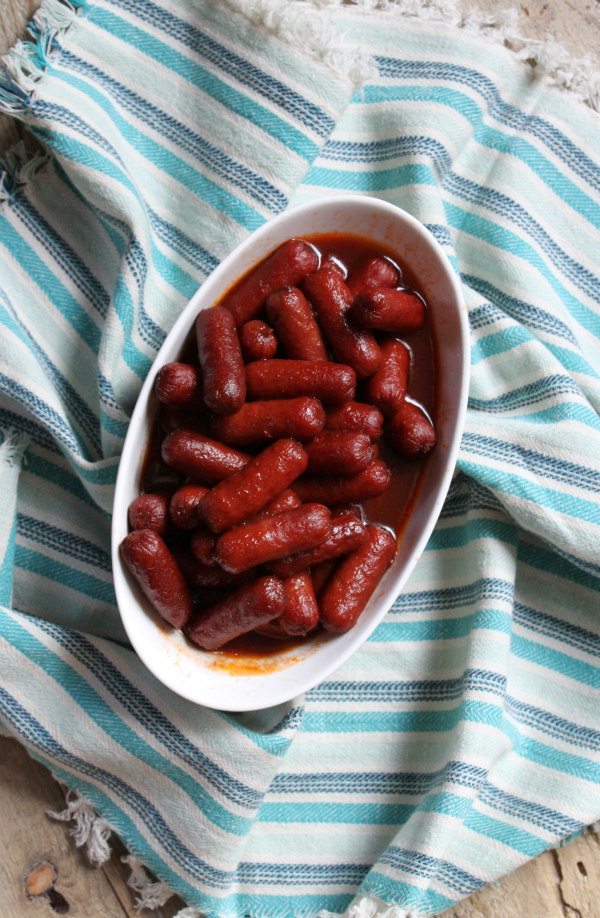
391,509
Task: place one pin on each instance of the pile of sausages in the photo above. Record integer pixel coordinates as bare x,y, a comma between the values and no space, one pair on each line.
274,456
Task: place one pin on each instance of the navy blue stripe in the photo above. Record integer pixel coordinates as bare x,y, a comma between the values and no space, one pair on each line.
213,158
151,717
483,590
64,542
425,690
49,417
526,314
542,816
472,192
572,156
548,387
412,784
38,737
551,627
431,868
557,727
277,93
182,244
588,479
24,424
286,874
467,495
74,403
63,254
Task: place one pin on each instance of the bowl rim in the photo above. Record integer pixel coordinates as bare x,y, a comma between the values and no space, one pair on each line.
141,404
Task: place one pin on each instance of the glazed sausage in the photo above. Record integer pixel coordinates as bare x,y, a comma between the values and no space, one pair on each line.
347,593
331,300
355,416
150,511
191,418
386,389
300,611
347,532
410,432
331,383
374,272
200,457
320,574
179,385
334,264
386,309
287,500
202,546
261,541
205,576
332,491
286,267
297,329
246,492
157,573
339,452
259,422
253,605
257,340
221,361
183,505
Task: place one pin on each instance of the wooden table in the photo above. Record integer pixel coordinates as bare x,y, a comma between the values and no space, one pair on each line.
564,883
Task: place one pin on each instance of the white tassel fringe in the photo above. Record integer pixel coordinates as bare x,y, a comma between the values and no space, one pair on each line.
90,830
151,893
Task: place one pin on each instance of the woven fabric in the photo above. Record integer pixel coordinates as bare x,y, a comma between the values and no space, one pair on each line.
463,738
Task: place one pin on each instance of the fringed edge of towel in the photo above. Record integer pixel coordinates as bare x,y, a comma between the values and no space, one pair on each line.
547,58
90,831
304,24
17,166
26,62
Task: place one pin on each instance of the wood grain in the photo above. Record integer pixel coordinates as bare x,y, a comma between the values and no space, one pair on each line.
559,884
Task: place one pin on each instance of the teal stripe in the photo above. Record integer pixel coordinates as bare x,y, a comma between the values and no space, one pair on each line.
105,718
498,342
557,414
494,234
459,536
168,162
413,721
405,895
549,658
91,159
512,836
550,562
113,426
443,629
515,485
547,757
276,744
378,180
44,566
38,271
50,471
202,79
509,144
317,813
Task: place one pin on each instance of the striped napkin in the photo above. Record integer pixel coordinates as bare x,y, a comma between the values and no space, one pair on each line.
463,738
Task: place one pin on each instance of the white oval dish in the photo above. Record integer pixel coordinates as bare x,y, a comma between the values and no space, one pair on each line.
195,674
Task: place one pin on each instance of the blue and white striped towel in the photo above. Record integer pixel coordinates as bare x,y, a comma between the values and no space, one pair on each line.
463,738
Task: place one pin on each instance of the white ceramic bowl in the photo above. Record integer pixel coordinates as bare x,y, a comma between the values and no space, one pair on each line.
195,674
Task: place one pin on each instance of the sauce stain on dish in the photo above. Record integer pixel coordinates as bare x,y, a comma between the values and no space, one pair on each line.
256,654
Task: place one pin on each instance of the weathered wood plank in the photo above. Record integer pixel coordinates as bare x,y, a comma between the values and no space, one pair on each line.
28,837
14,16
